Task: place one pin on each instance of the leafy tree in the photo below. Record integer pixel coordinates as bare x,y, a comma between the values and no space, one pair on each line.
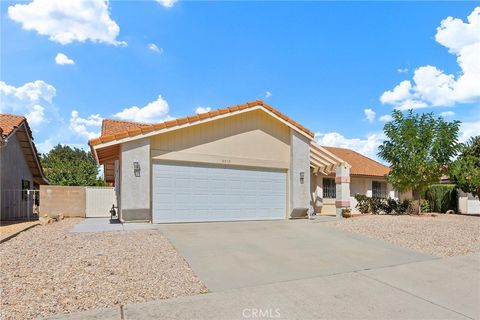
465,171
419,148
70,167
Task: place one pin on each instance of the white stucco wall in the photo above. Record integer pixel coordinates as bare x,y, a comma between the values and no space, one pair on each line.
357,186
135,191
299,162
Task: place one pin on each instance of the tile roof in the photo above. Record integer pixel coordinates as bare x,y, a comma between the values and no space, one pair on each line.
361,165
114,129
9,122
111,126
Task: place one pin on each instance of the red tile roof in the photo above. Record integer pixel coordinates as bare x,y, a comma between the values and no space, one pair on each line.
9,122
114,129
111,126
361,165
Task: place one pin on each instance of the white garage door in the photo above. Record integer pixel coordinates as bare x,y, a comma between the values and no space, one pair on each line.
194,192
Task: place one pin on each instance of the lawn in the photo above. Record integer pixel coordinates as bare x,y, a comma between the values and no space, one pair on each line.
47,270
443,235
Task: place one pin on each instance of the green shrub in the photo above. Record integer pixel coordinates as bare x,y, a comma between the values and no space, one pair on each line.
442,197
404,207
363,203
425,205
390,206
376,205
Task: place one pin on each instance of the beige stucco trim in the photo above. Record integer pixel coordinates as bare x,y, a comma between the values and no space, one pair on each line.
178,127
216,159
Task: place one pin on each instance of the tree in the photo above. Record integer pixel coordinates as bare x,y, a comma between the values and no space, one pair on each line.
419,148
70,167
465,171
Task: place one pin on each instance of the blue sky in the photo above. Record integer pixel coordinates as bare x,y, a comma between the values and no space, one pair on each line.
339,68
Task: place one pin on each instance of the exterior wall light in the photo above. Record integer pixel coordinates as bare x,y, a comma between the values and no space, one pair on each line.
136,168
302,177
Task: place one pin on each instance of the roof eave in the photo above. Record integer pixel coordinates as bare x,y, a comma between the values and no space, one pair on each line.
144,133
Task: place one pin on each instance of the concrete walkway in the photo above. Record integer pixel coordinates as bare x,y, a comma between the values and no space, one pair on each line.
231,255
104,225
436,289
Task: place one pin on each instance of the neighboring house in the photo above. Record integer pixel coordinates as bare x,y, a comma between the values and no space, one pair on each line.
21,169
367,177
246,162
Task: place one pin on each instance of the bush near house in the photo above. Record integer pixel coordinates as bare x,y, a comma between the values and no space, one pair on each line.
381,205
442,197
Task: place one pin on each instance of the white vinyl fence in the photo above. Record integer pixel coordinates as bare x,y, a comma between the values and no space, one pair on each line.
467,203
99,201
17,204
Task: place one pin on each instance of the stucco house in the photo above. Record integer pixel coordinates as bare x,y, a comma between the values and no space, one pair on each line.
367,177
246,162
20,166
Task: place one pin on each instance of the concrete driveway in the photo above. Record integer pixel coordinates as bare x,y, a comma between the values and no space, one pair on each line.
230,255
303,270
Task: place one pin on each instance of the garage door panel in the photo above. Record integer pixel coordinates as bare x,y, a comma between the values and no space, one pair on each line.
194,192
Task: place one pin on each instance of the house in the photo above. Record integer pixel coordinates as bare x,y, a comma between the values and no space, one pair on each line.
246,162
21,170
367,177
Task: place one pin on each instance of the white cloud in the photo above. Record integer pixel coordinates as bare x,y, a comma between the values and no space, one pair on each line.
202,110
369,115
367,146
385,118
154,111
447,114
431,85
85,127
68,21
36,115
468,130
402,70
155,48
268,94
398,94
31,100
167,3
62,59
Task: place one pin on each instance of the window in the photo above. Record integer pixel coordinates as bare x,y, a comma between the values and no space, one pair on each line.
379,189
25,187
329,188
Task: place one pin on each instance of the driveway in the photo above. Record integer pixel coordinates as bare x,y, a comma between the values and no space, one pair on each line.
231,255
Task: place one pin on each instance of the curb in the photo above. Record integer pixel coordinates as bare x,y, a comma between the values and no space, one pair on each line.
16,233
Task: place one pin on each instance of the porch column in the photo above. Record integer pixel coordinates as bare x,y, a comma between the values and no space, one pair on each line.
342,180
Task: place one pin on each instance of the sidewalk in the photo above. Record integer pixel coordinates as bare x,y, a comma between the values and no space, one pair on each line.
437,289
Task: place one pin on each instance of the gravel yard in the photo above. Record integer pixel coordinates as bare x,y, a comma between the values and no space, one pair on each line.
47,270
9,227
444,235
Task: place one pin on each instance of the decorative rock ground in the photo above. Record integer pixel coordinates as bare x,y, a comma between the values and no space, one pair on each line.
47,270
